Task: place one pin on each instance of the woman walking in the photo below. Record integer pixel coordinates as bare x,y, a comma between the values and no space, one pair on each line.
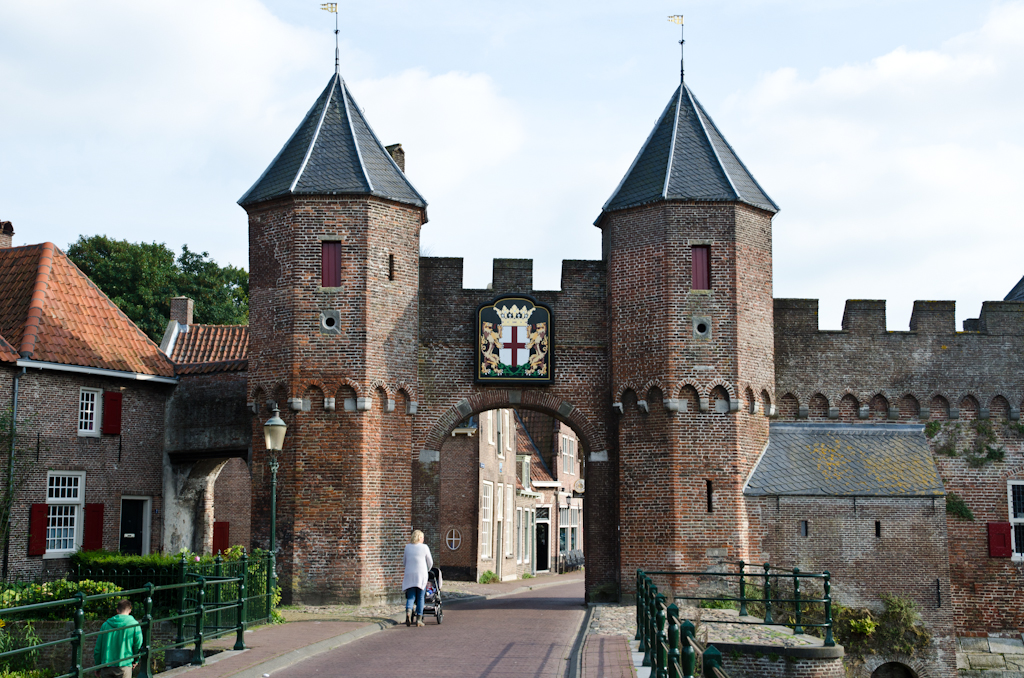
417,565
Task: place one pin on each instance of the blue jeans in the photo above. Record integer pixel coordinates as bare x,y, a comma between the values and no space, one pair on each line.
417,594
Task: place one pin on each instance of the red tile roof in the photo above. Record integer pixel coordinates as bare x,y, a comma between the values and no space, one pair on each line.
211,348
7,352
50,311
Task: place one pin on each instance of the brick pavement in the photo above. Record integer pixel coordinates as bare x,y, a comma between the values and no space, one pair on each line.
607,657
525,634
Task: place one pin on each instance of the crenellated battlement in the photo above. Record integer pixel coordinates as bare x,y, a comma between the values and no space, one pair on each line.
867,316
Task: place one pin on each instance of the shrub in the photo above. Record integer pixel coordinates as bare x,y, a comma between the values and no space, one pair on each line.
16,595
489,577
719,605
956,506
527,575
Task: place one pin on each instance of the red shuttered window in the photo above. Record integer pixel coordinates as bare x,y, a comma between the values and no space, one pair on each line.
330,264
92,538
111,413
37,530
999,540
700,278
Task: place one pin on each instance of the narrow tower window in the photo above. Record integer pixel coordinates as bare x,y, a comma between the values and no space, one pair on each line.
878,529
710,493
700,267
330,264
391,267
804,529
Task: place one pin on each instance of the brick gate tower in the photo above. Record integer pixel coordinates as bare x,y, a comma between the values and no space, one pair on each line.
333,253
687,245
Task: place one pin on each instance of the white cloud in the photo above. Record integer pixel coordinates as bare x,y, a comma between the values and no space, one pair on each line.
900,178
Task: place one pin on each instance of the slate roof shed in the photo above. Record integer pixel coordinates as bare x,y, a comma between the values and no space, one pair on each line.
686,157
843,460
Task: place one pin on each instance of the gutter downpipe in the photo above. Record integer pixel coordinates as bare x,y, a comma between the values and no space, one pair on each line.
10,474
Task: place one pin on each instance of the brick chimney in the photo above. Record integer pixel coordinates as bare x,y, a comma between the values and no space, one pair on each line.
181,310
398,155
7,234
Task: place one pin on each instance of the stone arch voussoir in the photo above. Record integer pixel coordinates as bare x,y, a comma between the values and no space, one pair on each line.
873,662
626,386
652,383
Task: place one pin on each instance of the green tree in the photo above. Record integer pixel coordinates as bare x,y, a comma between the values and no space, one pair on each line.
141,278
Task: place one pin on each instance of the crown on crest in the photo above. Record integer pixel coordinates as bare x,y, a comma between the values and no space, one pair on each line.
515,316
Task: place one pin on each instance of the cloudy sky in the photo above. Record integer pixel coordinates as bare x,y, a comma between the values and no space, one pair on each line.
888,131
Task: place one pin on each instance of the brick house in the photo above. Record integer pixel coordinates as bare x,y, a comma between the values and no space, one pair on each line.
88,390
501,507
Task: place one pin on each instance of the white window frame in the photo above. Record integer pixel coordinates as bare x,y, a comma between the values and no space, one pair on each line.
490,427
76,506
486,498
511,428
529,527
1016,520
97,413
519,534
510,507
499,518
568,456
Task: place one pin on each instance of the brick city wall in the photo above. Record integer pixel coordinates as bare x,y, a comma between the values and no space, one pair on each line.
660,360
233,501
967,382
343,518
757,661
129,464
580,394
459,507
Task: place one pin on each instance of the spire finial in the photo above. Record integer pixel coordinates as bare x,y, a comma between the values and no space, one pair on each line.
332,7
678,19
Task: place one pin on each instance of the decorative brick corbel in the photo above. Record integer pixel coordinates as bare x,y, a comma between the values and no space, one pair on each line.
954,413
617,406
734,406
772,412
299,404
412,407
924,414
391,405
984,413
253,407
674,404
705,404
894,413
864,412
803,411
329,404
1015,413
833,413
364,404
350,404
642,405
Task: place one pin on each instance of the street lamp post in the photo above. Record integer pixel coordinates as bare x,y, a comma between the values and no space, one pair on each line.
273,434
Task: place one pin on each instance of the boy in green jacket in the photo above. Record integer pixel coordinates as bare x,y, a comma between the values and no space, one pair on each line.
123,640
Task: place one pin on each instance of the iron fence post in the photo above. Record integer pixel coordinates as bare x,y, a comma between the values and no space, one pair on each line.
767,594
218,571
743,591
147,635
180,638
641,610
77,636
650,630
829,641
639,584
662,653
197,656
712,661
243,592
796,597
689,654
673,642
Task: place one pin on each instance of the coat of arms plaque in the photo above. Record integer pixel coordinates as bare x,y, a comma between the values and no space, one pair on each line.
514,341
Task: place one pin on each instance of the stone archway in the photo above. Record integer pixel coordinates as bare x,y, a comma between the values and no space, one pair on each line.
894,670
601,507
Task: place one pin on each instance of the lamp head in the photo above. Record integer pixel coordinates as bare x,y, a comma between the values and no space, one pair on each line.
274,430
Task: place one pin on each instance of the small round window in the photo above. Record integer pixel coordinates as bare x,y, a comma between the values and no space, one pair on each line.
453,540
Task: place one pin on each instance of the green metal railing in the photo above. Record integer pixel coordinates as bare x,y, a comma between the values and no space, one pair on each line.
673,654
209,605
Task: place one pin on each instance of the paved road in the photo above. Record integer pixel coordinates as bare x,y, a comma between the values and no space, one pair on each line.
525,635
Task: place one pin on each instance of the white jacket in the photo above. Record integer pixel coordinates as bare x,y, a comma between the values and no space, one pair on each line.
417,564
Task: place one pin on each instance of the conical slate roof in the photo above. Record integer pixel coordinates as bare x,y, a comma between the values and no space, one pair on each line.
687,158
333,152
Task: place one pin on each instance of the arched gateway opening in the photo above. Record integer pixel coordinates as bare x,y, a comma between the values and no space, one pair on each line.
474,499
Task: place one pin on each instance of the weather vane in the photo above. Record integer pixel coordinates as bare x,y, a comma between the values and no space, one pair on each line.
678,19
332,7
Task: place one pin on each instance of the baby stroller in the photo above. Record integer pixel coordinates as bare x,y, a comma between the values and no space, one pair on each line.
432,598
